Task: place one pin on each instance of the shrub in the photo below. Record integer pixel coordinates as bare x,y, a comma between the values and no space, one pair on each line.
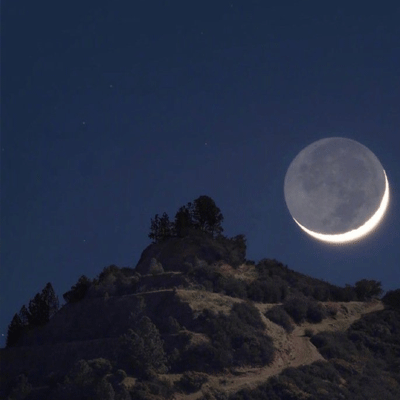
21,388
297,308
366,289
192,381
249,314
78,291
315,312
142,349
278,315
233,341
84,382
309,333
334,345
392,299
234,287
100,366
155,267
331,309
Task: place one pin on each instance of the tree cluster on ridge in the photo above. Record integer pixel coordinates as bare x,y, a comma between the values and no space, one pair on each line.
202,215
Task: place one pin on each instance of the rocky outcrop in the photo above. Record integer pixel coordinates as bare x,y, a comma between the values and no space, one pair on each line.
178,254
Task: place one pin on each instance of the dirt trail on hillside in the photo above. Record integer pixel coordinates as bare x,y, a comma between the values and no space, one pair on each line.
293,349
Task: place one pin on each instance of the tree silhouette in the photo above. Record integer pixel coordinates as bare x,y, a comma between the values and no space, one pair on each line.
78,291
24,315
202,215
43,306
183,220
141,350
207,216
155,229
366,289
166,228
51,300
15,330
161,228
38,311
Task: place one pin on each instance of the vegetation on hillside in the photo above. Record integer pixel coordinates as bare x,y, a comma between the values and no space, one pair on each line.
202,215
160,338
363,363
41,308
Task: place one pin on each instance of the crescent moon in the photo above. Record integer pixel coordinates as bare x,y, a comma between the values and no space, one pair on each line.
360,232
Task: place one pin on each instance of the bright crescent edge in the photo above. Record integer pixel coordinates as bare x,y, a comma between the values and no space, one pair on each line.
360,232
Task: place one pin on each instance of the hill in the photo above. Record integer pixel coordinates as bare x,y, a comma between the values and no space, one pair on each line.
196,320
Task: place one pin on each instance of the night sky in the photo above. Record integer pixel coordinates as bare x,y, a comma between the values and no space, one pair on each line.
115,111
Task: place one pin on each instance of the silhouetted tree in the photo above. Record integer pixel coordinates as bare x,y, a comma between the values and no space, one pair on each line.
161,228
51,300
367,289
15,330
166,227
183,220
78,291
24,315
207,216
141,350
38,311
154,234
43,306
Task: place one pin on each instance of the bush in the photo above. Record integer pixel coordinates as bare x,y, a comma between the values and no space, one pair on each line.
151,388
279,316
173,325
233,341
78,291
155,267
84,382
249,314
297,308
367,289
142,349
331,309
191,382
315,312
21,388
392,299
309,333
334,345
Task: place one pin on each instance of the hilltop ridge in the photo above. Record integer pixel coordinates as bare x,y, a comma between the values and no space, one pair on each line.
197,320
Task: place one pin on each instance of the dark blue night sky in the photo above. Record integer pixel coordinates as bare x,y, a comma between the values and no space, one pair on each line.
115,111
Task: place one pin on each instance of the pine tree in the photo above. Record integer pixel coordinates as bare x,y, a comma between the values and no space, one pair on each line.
155,229
43,306
24,316
161,228
15,330
38,311
78,291
50,299
142,349
183,221
165,227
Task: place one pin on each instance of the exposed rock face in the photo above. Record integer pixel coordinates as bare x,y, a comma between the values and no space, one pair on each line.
174,254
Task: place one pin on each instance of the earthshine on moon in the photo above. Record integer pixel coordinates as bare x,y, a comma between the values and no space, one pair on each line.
336,190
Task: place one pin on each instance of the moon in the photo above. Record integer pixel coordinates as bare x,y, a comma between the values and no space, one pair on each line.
336,190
